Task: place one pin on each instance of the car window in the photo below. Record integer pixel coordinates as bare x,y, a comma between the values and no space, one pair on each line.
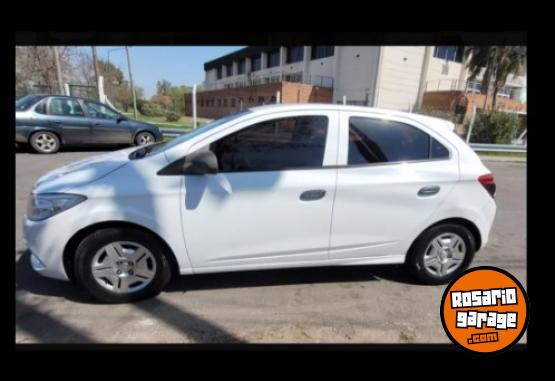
438,150
377,141
98,110
279,144
26,102
41,107
65,107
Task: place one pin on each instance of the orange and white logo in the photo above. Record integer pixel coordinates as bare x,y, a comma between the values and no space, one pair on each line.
485,310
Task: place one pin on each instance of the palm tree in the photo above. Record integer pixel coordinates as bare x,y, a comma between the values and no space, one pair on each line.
497,62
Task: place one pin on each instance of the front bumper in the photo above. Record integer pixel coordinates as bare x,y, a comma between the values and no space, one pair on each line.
46,246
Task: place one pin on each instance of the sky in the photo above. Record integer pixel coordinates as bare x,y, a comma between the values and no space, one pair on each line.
181,65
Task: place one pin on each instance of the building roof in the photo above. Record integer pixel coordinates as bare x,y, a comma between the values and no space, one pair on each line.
237,56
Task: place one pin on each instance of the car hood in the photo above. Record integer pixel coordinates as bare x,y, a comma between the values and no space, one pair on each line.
82,172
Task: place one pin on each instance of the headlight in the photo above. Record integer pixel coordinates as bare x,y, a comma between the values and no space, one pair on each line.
43,206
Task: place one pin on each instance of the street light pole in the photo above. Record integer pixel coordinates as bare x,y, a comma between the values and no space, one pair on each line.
131,83
96,71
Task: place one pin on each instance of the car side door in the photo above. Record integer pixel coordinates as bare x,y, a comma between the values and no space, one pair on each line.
270,203
107,127
393,175
66,116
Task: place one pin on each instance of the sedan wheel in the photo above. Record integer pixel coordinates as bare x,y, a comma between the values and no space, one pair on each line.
144,138
441,253
117,265
45,142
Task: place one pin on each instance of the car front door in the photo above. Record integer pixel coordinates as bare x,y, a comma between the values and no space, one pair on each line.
107,126
66,116
392,177
270,204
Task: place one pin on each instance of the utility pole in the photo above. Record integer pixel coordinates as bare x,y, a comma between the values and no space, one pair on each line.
95,62
423,76
194,103
131,83
58,69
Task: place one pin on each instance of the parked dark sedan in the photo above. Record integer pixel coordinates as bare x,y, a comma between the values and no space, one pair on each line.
47,122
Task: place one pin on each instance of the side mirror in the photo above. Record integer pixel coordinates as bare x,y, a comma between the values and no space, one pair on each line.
201,163
121,118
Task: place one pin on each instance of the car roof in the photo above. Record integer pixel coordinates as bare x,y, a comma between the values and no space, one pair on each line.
435,123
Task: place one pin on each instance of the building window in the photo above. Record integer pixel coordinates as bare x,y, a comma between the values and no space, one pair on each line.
449,53
294,77
295,54
225,102
219,103
473,87
273,58
255,63
232,102
219,73
229,69
201,103
241,67
322,52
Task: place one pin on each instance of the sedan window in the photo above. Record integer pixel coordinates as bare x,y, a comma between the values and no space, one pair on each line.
279,144
98,110
26,102
65,107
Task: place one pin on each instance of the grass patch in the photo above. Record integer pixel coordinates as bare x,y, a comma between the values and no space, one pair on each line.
520,155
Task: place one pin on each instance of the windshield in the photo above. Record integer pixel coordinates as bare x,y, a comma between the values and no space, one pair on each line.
27,101
162,146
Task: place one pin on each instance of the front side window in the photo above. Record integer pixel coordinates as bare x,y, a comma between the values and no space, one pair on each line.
274,145
100,111
381,141
65,107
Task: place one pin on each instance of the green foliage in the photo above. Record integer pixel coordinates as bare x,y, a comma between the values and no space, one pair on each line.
172,116
494,127
151,109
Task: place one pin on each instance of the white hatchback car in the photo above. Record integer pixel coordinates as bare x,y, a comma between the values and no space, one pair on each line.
270,187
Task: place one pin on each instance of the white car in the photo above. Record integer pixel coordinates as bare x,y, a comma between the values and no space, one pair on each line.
270,187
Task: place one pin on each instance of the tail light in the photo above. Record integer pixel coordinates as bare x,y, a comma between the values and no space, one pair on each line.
488,182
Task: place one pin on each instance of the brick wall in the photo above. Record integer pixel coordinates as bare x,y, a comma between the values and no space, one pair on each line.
446,100
218,103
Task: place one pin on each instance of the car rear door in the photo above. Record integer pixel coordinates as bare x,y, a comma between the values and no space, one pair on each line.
106,127
66,116
393,175
271,202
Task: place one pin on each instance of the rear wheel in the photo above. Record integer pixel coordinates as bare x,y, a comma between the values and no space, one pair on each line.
45,142
117,265
441,253
143,138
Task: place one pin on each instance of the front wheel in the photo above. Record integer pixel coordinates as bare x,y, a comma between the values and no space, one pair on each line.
441,253
143,138
118,265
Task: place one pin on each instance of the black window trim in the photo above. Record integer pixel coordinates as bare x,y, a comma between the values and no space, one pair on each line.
430,136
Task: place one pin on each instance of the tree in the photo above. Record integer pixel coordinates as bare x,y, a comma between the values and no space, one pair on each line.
36,64
163,100
163,87
497,63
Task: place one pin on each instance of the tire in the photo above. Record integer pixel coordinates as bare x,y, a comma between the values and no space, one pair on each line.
145,277
429,265
44,142
143,138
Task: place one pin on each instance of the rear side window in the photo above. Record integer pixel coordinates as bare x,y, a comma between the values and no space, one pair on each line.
279,144
438,150
65,107
381,141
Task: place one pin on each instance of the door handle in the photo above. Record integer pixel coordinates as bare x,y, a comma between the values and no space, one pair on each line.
56,122
312,195
429,190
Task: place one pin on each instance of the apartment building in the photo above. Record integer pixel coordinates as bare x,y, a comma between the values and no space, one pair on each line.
393,77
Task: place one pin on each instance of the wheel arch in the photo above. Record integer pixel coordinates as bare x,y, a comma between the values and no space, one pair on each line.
42,129
454,220
75,240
